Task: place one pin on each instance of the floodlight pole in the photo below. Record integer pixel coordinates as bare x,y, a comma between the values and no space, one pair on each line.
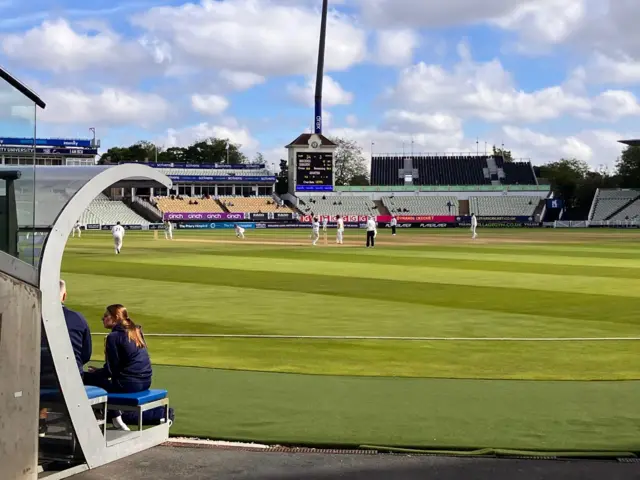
320,70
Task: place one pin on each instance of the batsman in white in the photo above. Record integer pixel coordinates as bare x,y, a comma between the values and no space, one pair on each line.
239,231
325,221
340,231
118,235
315,230
474,225
76,229
168,230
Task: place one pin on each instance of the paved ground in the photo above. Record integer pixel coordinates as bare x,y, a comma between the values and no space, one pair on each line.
171,463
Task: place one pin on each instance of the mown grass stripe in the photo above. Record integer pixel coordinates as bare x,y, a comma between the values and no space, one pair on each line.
529,281
594,307
434,261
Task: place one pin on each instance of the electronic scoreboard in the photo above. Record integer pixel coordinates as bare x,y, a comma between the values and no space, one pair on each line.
314,171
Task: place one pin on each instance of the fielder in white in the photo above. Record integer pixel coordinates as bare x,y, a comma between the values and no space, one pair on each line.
118,235
315,230
168,230
474,225
325,221
239,231
76,229
340,231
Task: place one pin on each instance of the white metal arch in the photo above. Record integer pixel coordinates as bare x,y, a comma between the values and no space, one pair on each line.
89,435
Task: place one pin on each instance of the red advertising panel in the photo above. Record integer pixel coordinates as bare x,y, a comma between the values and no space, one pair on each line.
418,218
333,218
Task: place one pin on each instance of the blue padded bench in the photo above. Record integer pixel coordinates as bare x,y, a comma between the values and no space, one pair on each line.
97,399
139,402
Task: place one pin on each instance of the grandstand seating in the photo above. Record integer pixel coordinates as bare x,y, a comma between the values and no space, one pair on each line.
215,172
503,205
209,205
449,170
608,201
105,211
417,205
629,213
518,173
337,205
263,204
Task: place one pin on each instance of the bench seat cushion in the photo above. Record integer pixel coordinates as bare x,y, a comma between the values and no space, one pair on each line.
95,392
138,398
53,394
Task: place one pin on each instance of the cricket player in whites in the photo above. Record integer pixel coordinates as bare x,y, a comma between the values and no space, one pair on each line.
239,231
474,225
325,221
168,230
118,235
340,232
315,230
76,229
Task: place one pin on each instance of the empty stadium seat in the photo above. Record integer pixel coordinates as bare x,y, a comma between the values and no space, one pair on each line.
263,204
337,205
504,205
518,173
608,201
175,205
421,205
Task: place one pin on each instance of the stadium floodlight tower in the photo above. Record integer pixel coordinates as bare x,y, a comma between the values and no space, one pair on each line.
310,156
37,365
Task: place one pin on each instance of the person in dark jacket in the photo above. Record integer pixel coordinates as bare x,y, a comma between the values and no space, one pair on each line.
80,336
127,366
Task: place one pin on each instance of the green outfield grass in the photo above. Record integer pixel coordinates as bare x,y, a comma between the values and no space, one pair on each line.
510,284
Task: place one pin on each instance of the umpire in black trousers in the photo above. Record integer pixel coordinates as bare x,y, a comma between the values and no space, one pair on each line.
371,232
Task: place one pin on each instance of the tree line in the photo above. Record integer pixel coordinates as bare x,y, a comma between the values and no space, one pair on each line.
571,179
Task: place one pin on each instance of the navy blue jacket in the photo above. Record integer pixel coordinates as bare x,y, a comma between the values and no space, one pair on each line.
80,336
124,360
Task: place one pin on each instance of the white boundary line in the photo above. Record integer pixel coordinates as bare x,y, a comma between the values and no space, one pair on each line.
402,339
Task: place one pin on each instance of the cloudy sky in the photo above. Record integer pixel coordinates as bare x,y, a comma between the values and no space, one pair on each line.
548,78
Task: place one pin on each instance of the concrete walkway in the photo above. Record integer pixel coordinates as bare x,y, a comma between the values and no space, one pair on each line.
177,463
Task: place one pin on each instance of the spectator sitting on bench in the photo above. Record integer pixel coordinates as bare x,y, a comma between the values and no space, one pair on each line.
80,337
127,367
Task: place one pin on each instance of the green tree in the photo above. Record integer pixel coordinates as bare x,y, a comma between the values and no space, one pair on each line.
501,152
349,163
214,150
172,155
628,168
282,179
258,159
565,176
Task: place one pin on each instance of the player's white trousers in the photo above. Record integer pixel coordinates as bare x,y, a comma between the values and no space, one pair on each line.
315,236
168,234
339,236
117,241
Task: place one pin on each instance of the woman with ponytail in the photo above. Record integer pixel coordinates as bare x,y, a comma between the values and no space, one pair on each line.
127,366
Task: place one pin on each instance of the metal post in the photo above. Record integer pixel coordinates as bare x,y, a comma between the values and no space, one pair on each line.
320,70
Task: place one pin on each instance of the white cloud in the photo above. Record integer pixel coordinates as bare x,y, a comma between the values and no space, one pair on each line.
621,69
57,47
597,147
109,107
332,92
396,47
228,129
262,37
209,104
487,91
241,80
543,21
411,122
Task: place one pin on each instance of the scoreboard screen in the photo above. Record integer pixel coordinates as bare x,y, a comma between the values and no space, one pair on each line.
314,171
